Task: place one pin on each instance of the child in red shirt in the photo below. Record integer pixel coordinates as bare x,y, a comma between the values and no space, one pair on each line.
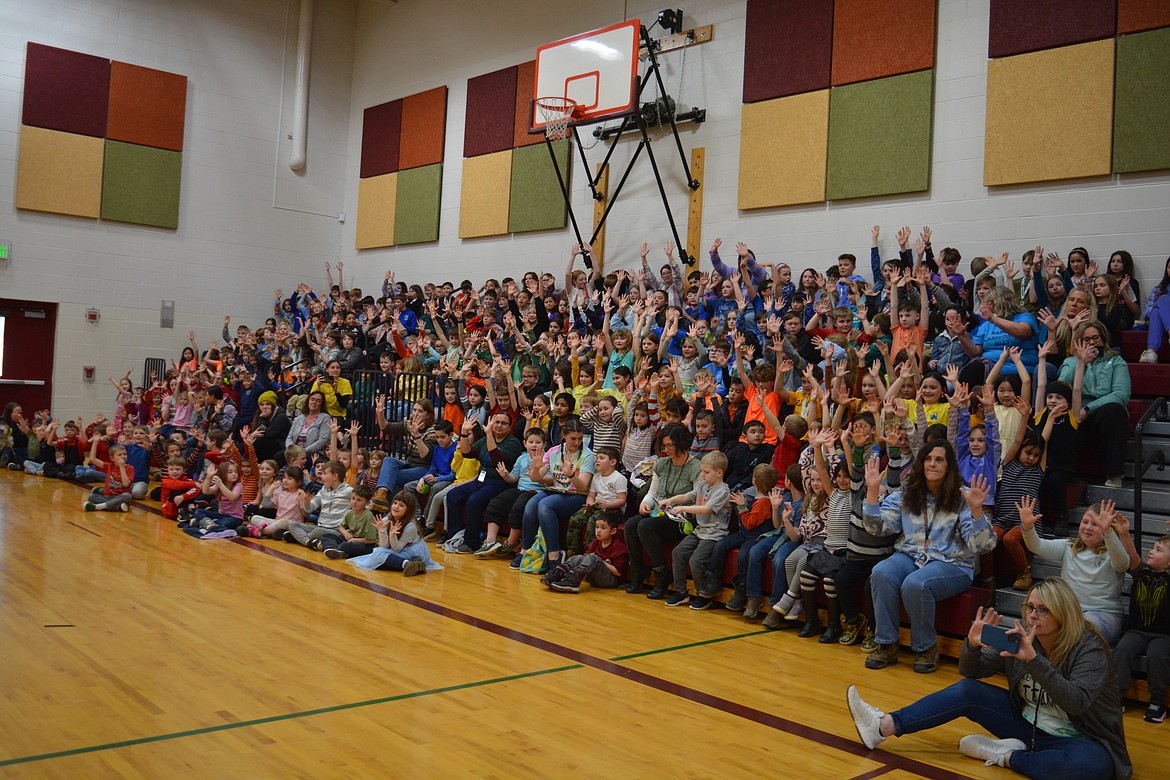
115,494
603,565
177,488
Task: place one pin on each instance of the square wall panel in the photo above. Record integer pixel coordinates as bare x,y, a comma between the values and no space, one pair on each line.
381,133
147,106
1050,115
377,201
484,197
873,39
424,126
416,215
141,185
781,174
788,48
490,119
537,202
525,83
59,172
879,136
65,90
1033,25
1139,15
1141,113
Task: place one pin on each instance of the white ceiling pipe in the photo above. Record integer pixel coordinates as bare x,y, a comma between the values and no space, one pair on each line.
301,107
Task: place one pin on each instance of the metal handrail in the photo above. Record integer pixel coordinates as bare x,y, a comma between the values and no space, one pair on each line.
1142,464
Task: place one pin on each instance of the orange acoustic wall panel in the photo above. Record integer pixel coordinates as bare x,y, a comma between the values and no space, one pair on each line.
1140,15
147,106
873,39
525,82
424,123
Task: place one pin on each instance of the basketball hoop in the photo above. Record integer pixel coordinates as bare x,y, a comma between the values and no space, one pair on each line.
556,113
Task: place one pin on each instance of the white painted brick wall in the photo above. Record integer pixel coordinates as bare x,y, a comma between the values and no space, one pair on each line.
232,248
431,45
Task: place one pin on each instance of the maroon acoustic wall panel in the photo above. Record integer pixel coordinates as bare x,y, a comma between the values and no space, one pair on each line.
381,133
788,48
490,122
1018,27
66,90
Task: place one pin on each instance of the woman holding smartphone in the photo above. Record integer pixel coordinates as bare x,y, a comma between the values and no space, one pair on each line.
1060,715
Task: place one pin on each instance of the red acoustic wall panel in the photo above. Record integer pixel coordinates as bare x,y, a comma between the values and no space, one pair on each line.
381,131
788,48
490,121
1018,27
66,90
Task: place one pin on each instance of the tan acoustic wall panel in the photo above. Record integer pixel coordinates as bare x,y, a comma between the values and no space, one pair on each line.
782,151
485,194
377,197
60,172
1050,115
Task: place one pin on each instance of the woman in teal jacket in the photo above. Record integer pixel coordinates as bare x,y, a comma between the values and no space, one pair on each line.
1105,389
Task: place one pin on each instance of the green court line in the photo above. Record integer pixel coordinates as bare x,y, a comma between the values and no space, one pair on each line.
278,718
689,645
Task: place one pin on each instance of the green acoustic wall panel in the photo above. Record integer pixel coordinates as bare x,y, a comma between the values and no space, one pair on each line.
416,217
879,136
537,202
141,185
1141,111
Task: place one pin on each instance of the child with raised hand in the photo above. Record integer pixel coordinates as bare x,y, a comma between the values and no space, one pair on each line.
1147,629
222,483
1059,429
397,531
603,565
115,494
1009,387
709,503
1023,475
977,446
1093,564
290,498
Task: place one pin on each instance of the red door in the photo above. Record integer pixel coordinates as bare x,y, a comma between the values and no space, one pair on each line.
26,354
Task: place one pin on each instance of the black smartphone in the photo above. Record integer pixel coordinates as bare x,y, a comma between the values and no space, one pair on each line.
998,637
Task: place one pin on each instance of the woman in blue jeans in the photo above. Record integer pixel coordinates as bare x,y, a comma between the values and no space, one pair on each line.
567,480
941,531
1060,715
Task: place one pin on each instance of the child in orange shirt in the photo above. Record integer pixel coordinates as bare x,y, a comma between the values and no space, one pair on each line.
751,526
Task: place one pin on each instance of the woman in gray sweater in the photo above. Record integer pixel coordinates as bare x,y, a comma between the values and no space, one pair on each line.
1060,715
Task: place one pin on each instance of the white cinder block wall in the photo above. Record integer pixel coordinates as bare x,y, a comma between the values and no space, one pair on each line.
232,247
449,41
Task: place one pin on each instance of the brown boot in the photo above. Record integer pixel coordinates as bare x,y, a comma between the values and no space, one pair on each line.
436,534
885,655
1024,579
752,610
926,662
380,504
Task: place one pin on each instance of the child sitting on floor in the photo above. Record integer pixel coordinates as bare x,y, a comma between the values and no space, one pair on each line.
604,563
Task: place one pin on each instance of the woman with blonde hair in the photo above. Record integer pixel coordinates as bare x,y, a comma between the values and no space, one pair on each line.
1060,715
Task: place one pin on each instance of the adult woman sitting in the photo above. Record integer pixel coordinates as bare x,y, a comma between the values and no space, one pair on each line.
1060,715
570,473
273,425
674,474
1105,388
310,428
419,432
498,446
942,530
336,389
1005,325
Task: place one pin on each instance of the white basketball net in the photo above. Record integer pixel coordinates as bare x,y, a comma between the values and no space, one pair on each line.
556,113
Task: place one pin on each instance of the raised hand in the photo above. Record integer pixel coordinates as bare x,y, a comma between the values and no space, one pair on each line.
669,249
741,249
976,495
776,498
873,472
1026,507
876,231
904,236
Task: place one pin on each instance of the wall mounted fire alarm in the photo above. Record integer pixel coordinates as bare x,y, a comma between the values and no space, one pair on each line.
93,315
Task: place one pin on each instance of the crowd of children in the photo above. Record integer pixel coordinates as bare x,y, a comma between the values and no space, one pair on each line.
654,416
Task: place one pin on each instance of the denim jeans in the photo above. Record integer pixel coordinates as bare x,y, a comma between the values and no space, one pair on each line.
88,474
546,510
759,557
395,473
468,499
1159,323
1052,758
899,581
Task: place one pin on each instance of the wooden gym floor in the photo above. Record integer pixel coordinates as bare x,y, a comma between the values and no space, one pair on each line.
133,650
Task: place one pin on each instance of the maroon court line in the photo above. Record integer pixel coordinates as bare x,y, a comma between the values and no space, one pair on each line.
891,761
874,773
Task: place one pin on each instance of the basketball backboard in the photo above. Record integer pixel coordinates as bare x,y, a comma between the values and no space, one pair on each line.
597,69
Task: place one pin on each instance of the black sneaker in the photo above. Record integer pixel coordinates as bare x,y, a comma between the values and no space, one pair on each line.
680,599
1156,713
700,602
334,553
570,583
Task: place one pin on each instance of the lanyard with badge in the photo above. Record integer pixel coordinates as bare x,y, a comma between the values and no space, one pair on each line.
924,557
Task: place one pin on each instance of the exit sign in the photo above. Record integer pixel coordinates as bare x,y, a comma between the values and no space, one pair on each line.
5,251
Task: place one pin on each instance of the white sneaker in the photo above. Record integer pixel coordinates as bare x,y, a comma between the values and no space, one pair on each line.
866,718
1113,482
1148,356
989,750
